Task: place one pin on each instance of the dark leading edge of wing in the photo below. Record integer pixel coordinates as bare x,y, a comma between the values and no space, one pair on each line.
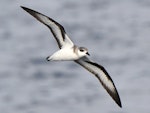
102,75
57,30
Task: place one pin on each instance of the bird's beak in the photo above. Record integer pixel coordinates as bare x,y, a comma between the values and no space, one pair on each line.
88,53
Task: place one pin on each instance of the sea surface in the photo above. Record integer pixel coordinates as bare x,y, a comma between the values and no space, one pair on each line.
117,34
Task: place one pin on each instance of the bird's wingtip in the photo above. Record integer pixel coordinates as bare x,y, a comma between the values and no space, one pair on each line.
22,7
120,105
117,99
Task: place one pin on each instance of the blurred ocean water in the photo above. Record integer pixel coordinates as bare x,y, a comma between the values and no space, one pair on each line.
117,36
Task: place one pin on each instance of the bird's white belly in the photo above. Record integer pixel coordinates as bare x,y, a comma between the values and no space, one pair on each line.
64,54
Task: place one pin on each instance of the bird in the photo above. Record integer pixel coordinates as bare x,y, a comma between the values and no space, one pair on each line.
68,51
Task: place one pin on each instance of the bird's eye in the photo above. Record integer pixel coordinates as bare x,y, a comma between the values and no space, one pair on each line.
81,50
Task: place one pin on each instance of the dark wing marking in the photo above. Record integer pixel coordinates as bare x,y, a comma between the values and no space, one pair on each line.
102,75
57,30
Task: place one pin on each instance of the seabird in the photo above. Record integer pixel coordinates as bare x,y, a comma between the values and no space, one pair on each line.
70,51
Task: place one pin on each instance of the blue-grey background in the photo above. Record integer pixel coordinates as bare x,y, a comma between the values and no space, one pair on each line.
117,34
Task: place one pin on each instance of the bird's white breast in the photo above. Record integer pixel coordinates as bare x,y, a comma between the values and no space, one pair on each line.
65,54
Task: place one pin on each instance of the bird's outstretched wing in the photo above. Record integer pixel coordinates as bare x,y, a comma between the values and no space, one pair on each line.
57,30
102,75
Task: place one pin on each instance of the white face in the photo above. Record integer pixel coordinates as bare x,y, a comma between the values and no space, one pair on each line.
83,51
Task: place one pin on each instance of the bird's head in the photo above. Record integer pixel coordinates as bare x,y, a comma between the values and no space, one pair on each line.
82,51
